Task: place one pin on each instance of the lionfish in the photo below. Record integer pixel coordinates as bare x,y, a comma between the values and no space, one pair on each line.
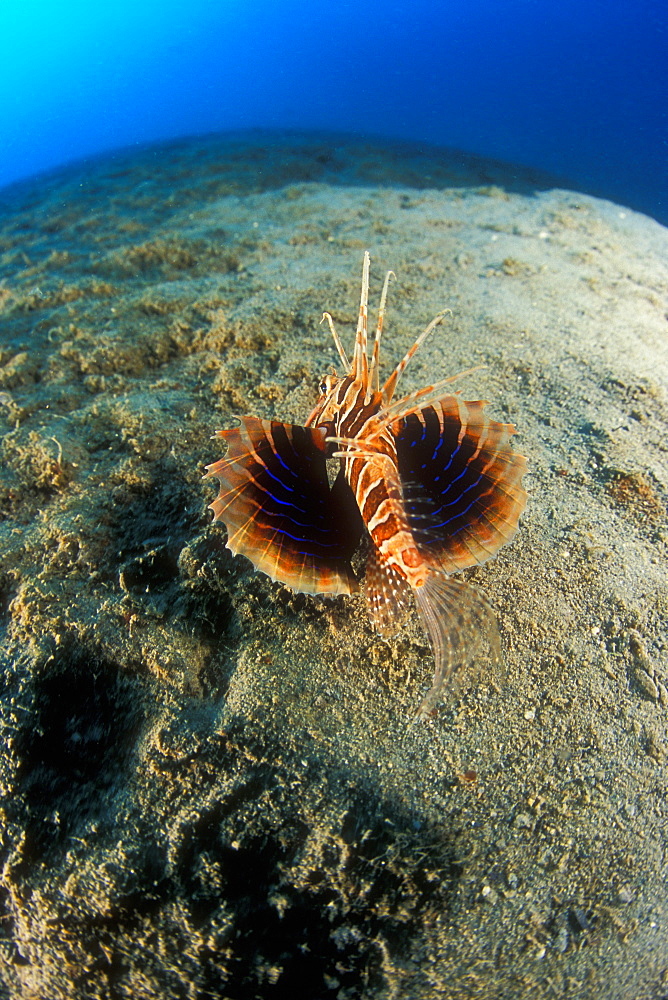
428,481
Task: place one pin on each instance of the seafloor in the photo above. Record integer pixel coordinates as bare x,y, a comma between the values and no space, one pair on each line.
213,788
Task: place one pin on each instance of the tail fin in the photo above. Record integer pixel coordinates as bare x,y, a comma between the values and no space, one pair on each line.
459,623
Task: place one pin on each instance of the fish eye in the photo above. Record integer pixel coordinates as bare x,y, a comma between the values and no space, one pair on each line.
323,387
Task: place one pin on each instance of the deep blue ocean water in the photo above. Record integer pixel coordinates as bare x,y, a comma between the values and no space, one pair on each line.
579,89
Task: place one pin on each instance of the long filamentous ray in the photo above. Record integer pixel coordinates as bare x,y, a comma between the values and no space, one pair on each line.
429,481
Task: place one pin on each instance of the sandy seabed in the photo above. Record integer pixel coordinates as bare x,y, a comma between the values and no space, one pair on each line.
214,788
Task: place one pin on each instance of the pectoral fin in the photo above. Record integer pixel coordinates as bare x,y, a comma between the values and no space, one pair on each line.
279,510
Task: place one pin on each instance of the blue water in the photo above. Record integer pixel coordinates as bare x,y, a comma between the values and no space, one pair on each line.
579,89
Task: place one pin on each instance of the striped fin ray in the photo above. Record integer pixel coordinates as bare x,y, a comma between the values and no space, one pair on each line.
360,366
374,375
416,401
461,480
460,624
279,509
390,385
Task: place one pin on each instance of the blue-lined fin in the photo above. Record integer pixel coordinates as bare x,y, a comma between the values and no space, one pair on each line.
461,480
279,510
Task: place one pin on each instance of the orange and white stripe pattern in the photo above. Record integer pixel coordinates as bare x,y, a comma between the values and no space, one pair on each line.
430,480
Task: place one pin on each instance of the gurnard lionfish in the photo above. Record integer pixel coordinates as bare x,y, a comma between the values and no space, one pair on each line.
428,482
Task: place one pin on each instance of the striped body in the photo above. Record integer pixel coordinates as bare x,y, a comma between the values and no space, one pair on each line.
375,480
429,481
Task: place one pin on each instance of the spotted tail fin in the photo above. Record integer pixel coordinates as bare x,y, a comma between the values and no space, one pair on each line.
459,623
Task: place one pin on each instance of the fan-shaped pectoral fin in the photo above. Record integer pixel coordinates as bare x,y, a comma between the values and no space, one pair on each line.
461,481
279,510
